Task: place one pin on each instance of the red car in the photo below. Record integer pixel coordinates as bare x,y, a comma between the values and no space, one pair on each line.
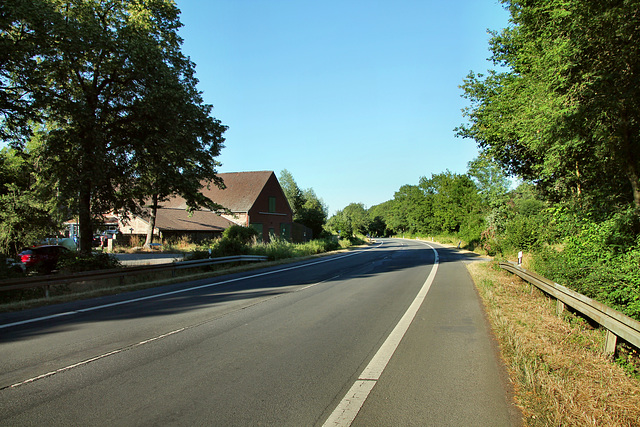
43,258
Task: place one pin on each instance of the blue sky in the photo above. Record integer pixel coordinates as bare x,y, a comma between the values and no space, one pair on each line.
354,98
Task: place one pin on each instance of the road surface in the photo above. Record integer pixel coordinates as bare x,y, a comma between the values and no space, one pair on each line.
283,346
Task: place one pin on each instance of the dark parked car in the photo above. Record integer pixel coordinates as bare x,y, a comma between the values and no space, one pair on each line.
42,258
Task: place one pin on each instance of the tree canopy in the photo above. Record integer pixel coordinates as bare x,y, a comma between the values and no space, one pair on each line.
308,209
120,117
563,109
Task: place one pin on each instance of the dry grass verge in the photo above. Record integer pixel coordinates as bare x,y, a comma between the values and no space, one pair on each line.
560,374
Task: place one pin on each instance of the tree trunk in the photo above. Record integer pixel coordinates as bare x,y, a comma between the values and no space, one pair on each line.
152,221
632,174
85,223
631,163
578,186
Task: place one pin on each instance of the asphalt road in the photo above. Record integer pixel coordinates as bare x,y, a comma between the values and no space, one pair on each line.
276,347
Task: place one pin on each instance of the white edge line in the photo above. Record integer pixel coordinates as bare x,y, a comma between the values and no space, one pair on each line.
179,291
350,405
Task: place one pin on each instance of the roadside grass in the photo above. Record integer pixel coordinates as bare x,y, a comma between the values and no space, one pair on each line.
560,374
280,249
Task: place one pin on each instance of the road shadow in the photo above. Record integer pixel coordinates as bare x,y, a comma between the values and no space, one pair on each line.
382,257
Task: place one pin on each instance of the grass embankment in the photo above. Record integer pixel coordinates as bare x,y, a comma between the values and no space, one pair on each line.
560,374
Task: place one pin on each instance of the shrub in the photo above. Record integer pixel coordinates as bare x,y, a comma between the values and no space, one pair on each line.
73,262
591,265
276,249
245,235
198,254
230,246
220,248
523,233
490,242
7,271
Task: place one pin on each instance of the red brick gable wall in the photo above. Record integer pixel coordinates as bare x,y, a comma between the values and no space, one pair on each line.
278,222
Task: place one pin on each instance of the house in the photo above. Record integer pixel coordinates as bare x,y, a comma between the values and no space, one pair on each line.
175,223
253,199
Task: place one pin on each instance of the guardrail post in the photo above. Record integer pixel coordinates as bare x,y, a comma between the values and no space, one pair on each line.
560,306
610,343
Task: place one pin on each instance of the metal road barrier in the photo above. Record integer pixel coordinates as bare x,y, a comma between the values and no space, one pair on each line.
121,273
616,323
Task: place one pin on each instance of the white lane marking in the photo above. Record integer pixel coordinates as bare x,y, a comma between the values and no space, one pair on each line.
179,291
93,359
348,408
147,341
120,350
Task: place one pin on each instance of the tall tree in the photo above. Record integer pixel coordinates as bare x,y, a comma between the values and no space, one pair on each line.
291,191
456,205
565,113
313,213
379,215
411,210
308,209
176,140
490,179
101,68
351,220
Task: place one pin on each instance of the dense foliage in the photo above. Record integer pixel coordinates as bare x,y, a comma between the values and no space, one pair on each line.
28,207
563,110
72,262
275,249
308,209
563,113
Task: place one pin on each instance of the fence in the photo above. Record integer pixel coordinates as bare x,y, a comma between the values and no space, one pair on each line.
119,273
617,324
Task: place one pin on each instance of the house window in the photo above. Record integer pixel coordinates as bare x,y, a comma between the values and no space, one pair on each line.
272,204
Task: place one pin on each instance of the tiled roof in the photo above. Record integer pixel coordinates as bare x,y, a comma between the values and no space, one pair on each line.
242,190
176,219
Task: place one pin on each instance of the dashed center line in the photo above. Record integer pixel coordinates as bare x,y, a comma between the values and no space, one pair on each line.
156,338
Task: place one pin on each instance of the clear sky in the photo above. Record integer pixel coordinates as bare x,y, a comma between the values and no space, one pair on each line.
354,97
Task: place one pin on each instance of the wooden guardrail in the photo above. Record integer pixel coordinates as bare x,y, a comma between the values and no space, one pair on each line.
118,273
616,323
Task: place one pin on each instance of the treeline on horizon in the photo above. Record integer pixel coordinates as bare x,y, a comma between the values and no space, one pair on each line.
561,114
